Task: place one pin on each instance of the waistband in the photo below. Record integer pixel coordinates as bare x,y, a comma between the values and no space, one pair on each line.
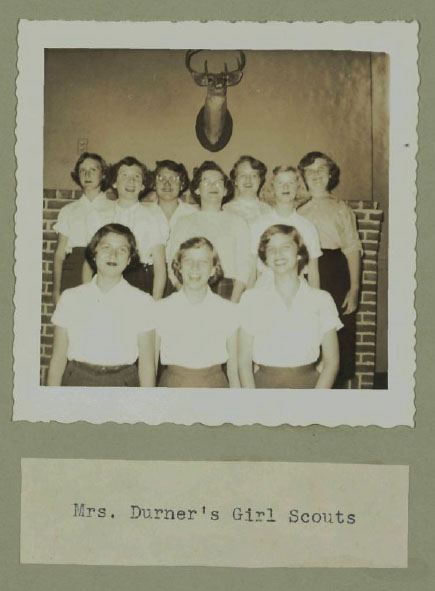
202,371
141,265
94,369
332,251
299,369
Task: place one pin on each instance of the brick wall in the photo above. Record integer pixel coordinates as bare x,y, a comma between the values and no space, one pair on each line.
369,224
369,219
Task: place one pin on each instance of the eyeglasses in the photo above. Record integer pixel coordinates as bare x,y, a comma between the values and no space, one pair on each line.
218,183
167,179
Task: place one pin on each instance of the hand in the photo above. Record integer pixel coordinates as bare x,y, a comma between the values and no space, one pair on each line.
350,302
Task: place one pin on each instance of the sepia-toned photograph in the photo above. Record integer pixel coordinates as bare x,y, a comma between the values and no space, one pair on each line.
216,219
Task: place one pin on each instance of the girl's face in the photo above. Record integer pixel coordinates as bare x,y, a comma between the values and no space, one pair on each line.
197,267
211,188
247,181
112,255
129,182
168,184
317,175
285,186
282,254
90,174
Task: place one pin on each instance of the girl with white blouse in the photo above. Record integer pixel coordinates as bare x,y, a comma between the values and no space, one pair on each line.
228,233
129,177
285,186
286,324
196,328
170,182
77,222
104,329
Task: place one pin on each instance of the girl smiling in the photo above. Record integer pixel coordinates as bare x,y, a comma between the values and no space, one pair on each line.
227,232
129,179
103,327
286,324
285,187
197,329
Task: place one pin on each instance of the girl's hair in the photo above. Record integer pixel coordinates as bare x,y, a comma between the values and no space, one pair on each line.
197,175
257,165
112,229
287,231
334,170
105,181
176,167
131,161
197,242
284,168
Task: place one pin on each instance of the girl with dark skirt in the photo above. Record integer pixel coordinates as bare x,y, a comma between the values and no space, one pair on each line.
340,264
104,329
129,178
196,328
286,324
78,221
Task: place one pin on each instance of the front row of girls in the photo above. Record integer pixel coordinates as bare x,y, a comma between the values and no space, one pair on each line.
107,331
229,214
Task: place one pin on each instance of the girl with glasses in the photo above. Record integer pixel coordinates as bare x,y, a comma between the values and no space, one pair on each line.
227,232
170,183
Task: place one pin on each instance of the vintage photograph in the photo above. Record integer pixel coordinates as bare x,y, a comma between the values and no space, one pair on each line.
215,219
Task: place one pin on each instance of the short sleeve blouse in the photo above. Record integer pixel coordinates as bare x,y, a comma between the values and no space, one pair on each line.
335,223
195,335
287,336
103,327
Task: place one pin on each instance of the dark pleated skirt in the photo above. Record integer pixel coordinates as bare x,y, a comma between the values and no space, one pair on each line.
302,377
335,278
175,376
224,288
141,277
86,374
72,268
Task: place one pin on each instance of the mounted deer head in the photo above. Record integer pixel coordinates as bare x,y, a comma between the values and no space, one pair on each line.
214,124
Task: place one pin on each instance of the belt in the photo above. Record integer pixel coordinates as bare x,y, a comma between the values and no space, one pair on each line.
100,369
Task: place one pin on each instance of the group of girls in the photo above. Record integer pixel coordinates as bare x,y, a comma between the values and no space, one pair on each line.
225,293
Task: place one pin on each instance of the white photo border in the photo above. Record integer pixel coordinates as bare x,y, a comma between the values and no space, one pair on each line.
385,408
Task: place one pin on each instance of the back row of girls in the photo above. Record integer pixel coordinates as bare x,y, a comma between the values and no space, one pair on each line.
233,226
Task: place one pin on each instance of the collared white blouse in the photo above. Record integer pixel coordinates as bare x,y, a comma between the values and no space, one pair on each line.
194,335
287,336
166,226
141,222
79,221
103,327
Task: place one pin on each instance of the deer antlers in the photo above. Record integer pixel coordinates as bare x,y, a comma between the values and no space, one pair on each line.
224,78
